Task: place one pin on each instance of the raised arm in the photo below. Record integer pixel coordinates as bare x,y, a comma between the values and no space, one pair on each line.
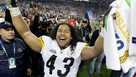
91,52
23,29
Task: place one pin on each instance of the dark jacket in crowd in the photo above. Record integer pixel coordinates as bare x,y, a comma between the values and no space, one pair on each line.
94,37
21,57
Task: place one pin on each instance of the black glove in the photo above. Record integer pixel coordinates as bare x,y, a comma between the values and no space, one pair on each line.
12,3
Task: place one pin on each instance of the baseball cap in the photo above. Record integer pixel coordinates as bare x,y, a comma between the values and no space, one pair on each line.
5,25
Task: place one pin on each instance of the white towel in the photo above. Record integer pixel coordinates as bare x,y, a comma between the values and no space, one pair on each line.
110,47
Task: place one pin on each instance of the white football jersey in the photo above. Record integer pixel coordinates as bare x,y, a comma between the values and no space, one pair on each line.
60,63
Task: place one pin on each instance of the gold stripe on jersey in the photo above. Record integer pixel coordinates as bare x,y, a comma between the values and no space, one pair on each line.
86,45
41,41
124,57
122,28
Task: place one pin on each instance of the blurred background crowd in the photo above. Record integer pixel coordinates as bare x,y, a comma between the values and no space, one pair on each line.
86,16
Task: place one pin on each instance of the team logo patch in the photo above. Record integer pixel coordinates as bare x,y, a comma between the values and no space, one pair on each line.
134,40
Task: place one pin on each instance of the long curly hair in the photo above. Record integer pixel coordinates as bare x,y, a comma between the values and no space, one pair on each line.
74,39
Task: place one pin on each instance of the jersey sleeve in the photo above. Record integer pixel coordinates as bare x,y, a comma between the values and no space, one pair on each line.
80,46
41,41
45,42
102,32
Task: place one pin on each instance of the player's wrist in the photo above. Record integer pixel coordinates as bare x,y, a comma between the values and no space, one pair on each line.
15,11
12,6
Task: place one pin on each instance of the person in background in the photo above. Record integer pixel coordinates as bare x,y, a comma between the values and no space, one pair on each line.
85,29
14,58
96,63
